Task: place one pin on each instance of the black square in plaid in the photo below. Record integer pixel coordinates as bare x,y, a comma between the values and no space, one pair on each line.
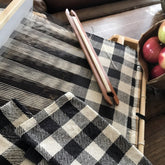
73,148
106,112
92,131
115,153
4,161
33,156
90,142
69,110
3,122
49,125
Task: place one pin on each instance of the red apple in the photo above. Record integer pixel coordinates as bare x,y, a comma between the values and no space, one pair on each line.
161,58
157,71
151,49
161,32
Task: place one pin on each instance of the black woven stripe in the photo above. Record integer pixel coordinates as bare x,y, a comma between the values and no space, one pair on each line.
23,108
37,26
2,101
129,123
63,54
36,88
33,156
32,109
4,161
49,69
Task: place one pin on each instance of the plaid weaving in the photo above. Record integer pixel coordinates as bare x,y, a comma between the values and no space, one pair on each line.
12,149
42,61
70,132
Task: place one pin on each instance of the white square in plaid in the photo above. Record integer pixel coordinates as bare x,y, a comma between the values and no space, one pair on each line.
113,136
5,144
49,145
106,49
89,113
104,61
130,57
94,96
121,127
51,108
125,160
71,128
28,162
131,154
122,108
20,120
95,151
27,125
75,162
128,71
126,88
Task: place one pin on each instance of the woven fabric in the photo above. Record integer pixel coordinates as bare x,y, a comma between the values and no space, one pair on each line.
12,149
70,132
42,61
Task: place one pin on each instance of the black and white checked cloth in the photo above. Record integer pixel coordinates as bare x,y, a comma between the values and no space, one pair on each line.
12,149
70,132
41,61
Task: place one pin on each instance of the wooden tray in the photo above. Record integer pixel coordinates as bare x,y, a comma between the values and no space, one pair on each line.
132,43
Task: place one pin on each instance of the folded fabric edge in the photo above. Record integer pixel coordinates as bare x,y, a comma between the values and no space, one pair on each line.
15,112
30,123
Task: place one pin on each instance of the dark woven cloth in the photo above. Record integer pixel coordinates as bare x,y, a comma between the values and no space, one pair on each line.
70,132
41,61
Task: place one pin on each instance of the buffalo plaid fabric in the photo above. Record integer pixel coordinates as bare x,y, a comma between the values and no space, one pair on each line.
41,61
70,132
13,150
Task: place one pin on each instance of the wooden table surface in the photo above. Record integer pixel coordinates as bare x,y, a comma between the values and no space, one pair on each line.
130,23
